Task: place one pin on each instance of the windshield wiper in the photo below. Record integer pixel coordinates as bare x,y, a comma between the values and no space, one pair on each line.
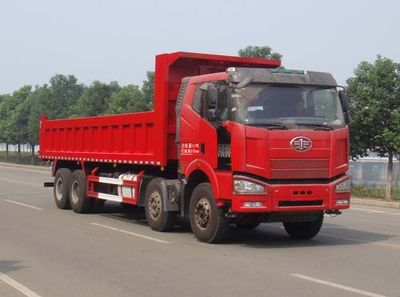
269,126
317,126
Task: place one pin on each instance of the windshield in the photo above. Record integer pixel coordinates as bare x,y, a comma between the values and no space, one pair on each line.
288,107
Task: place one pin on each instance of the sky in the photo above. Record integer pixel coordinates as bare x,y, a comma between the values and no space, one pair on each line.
117,40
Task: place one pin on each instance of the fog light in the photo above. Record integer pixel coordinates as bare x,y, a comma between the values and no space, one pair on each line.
253,204
342,201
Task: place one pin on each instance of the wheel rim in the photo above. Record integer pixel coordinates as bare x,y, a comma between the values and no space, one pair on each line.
59,189
154,205
75,192
202,213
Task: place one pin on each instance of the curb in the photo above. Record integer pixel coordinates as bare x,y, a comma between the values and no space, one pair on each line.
33,167
374,202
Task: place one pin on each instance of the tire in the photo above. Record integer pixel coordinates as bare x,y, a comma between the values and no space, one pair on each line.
61,188
248,222
80,203
157,218
304,230
209,223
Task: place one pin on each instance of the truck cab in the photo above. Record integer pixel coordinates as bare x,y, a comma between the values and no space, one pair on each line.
272,142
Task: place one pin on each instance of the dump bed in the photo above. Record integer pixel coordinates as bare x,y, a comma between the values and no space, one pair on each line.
136,138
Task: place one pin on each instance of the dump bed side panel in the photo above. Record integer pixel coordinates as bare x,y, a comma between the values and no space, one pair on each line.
126,138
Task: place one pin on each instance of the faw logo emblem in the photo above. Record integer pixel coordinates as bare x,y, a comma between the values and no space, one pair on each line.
301,144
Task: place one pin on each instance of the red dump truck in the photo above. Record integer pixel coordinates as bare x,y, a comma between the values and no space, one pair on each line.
231,141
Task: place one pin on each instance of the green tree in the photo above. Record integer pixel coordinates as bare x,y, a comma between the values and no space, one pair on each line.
374,92
262,52
34,106
65,91
13,120
128,99
148,91
95,99
4,113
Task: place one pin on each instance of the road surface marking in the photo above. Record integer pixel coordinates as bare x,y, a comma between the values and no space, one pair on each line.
18,286
335,285
18,182
367,210
23,204
131,233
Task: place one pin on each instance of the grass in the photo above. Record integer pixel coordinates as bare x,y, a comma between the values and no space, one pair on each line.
25,158
373,192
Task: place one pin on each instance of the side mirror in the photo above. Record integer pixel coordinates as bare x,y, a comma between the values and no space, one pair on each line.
344,100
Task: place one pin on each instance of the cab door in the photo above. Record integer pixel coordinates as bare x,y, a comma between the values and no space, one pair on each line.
198,135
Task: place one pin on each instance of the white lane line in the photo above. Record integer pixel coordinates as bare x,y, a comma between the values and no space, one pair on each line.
367,210
18,182
131,233
18,286
335,285
23,204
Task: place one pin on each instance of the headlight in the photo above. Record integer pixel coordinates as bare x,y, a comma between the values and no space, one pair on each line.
344,186
241,186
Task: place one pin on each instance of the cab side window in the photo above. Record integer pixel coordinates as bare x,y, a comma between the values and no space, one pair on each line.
197,100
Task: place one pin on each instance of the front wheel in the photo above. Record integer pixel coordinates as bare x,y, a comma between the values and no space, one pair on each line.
208,222
304,230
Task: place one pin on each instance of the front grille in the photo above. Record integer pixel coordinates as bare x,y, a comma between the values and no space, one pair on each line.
299,164
299,169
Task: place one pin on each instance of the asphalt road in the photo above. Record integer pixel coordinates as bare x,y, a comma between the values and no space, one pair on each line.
48,252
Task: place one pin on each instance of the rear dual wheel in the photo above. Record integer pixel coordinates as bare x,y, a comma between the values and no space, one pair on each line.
156,216
70,192
80,203
61,188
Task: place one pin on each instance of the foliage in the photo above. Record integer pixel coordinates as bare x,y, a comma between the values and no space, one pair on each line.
148,90
127,99
95,99
262,52
65,97
131,98
12,118
35,106
374,93
372,192
64,92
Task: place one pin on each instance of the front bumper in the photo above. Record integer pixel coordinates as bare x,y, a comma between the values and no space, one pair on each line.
293,197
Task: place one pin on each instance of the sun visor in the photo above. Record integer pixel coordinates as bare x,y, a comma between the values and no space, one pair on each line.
281,76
